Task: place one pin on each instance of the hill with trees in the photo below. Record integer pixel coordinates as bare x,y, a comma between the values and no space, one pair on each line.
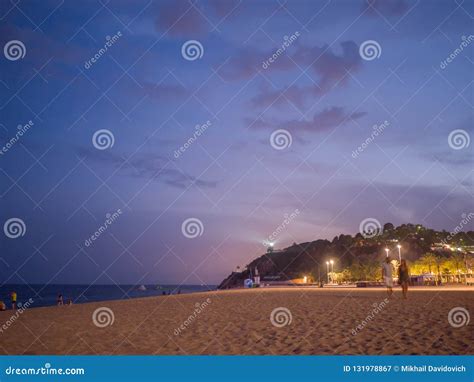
358,257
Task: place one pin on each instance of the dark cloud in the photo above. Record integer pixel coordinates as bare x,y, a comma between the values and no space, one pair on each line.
330,67
295,94
224,8
180,19
322,121
40,48
163,91
454,158
330,70
249,61
147,166
386,8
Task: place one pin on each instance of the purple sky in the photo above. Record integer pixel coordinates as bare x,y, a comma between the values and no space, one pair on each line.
322,89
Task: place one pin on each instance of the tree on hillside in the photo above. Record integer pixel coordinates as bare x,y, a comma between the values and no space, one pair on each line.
428,260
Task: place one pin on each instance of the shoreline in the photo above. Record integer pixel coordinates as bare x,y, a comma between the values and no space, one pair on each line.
243,321
396,288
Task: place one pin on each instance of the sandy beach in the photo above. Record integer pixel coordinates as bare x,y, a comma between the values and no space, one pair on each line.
304,321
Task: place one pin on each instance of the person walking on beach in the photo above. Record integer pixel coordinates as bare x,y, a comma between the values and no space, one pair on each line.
13,298
403,277
387,275
60,300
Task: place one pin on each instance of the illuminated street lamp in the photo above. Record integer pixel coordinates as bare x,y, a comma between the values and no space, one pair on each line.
327,270
399,252
332,271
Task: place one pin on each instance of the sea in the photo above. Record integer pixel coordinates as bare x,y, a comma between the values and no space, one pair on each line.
46,295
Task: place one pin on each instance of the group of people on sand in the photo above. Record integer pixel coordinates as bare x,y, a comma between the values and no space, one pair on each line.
13,301
403,276
14,296
60,300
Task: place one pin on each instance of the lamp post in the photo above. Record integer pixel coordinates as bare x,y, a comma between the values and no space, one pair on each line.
399,252
270,247
327,270
332,271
